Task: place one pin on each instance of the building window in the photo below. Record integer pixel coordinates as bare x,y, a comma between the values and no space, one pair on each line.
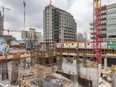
111,9
113,14
112,36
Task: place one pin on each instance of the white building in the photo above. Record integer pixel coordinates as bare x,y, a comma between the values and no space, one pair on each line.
31,34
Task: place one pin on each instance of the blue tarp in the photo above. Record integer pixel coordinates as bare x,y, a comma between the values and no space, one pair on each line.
2,42
2,46
14,43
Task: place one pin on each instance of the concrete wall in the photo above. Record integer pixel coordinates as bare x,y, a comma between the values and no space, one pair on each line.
69,66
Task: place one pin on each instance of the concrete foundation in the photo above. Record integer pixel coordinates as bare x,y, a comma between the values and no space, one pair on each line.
105,63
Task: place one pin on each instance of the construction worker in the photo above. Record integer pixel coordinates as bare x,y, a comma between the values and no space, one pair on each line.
5,51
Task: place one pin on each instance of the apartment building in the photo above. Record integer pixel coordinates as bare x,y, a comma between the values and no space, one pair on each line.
111,21
108,20
31,34
59,25
103,24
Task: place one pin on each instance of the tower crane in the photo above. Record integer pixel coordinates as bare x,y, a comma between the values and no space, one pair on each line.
97,35
9,30
4,8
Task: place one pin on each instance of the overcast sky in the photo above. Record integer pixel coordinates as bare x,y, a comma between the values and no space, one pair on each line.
80,9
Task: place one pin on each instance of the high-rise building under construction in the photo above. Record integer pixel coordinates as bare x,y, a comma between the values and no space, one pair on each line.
108,20
59,25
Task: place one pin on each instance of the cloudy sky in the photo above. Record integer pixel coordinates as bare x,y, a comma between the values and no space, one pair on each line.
80,9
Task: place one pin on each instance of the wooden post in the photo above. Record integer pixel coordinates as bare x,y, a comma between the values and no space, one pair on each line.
24,63
60,59
14,73
4,68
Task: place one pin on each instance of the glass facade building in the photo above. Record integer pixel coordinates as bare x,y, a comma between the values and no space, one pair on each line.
108,22
111,21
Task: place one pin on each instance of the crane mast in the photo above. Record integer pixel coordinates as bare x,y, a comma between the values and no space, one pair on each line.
97,35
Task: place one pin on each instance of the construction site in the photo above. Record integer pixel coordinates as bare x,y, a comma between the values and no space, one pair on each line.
31,63
54,67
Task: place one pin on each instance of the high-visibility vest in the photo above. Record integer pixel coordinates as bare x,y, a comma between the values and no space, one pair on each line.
5,52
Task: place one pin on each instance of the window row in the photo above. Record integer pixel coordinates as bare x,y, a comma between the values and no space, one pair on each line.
104,16
103,27
104,21
111,26
113,14
111,31
112,36
111,9
104,11
111,20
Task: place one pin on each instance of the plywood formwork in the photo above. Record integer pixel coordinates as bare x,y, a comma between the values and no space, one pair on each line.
23,83
26,76
42,69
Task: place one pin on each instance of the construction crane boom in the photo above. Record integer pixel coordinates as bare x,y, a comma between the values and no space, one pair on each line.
3,8
9,30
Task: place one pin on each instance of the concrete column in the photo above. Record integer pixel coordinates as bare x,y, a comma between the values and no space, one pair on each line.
105,63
